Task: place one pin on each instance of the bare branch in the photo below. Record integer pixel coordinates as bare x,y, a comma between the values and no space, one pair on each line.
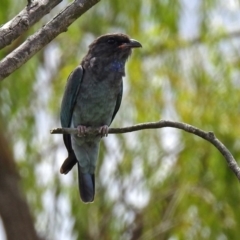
46,34
24,20
209,136
15,213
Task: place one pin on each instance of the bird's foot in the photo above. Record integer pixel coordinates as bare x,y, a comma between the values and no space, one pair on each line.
103,130
81,130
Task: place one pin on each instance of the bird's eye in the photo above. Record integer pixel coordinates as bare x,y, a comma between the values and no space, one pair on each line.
111,41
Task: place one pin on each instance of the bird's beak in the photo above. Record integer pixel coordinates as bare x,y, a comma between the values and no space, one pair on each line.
132,44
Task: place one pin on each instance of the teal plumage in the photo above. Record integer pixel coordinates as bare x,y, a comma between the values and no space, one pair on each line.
92,98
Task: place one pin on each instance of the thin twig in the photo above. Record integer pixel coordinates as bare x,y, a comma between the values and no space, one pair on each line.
209,136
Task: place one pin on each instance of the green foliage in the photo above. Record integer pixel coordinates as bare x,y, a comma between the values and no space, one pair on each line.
152,184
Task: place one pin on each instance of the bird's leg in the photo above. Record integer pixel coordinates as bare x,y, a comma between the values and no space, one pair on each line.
103,130
81,130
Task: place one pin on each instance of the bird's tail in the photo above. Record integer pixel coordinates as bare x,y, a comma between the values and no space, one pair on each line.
68,164
86,183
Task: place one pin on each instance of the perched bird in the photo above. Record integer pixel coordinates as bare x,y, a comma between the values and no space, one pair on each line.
92,98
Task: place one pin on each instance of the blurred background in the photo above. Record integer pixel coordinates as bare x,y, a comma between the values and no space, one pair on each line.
151,184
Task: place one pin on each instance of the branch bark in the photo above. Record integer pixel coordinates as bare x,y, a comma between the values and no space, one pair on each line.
24,20
17,220
209,136
46,34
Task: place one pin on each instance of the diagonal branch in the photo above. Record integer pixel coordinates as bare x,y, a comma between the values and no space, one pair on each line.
15,213
209,136
24,20
46,34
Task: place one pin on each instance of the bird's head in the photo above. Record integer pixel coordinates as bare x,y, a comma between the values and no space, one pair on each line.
109,52
115,46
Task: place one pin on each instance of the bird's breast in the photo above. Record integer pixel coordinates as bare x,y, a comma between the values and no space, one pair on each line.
96,101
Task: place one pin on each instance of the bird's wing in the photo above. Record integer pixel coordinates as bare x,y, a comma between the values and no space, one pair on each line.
68,102
118,102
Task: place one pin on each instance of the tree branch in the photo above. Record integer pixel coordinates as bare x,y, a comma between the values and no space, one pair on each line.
15,213
24,20
209,136
46,34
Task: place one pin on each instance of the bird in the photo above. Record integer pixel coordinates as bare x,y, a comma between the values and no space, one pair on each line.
92,98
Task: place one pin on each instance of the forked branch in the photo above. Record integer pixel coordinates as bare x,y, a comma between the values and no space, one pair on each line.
43,36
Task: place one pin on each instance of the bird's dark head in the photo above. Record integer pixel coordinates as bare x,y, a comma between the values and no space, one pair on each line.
116,45
109,52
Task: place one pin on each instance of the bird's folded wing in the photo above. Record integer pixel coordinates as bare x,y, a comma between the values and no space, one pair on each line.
68,102
118,102
70,96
